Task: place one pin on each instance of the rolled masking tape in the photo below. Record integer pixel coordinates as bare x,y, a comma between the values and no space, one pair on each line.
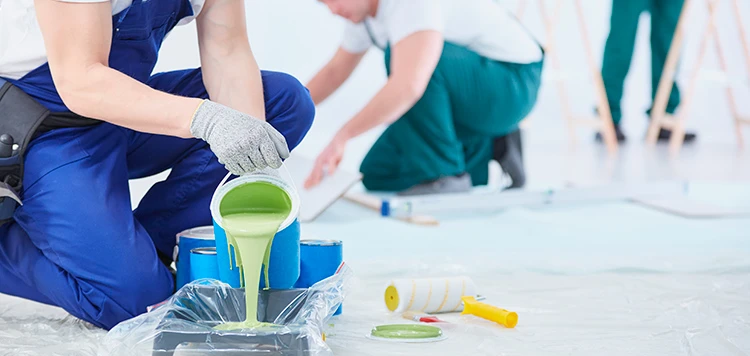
430,295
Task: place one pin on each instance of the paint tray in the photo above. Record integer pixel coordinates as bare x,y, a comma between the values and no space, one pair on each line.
184,323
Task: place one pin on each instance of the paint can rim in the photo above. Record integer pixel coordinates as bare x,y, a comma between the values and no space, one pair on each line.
198,233
317,242
260,176
204,251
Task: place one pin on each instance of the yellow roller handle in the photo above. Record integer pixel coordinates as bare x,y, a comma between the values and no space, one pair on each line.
485,311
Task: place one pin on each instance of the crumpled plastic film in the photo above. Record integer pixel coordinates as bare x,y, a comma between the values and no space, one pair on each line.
184,323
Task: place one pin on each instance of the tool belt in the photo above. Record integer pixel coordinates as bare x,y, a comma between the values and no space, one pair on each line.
20,116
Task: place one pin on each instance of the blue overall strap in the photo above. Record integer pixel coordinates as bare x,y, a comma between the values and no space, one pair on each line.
137,35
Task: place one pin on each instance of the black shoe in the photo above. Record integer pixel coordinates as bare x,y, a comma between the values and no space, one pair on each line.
665,135
508,151
618,132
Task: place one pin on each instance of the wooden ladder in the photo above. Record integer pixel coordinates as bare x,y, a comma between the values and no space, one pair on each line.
659,118
603,122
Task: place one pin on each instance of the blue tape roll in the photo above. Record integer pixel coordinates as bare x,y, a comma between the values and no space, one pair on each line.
203,263
319,259
187,241
284,269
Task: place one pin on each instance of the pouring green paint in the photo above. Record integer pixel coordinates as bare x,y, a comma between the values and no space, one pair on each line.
251,215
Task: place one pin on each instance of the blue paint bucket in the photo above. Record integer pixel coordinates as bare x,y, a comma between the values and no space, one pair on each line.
203,263
187,241
319,259
284,261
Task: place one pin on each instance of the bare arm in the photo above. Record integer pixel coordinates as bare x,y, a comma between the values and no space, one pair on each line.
333,75
78,37
230,72
413,62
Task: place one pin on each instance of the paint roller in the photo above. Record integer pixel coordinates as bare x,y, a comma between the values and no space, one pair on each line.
443,295
503,317
428,295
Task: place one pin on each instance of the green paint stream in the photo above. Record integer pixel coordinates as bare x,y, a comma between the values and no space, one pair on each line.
251,215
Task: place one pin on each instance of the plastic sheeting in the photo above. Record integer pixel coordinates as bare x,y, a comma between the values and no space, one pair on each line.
616,312
185,322
31,329
608,279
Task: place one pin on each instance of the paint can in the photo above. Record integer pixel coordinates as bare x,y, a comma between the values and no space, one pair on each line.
319,259
186,241
203,263
284,261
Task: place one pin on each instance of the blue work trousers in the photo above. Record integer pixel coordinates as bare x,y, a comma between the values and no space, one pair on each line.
76,243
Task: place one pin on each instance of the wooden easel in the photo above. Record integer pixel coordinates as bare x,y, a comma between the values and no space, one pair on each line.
603,123
659,118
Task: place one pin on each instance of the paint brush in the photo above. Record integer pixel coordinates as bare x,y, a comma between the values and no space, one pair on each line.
421,317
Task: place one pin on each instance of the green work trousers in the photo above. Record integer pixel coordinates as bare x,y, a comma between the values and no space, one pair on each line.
618,52
469,101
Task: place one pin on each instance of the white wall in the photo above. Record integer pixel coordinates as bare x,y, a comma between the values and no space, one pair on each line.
299,36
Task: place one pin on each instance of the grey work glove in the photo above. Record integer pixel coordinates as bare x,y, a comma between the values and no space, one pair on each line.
242,143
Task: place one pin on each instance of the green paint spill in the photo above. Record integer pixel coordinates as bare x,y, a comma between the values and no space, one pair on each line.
251,215
407,331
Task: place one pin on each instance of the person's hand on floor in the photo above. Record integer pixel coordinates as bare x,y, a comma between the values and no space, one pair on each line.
242,143
327,162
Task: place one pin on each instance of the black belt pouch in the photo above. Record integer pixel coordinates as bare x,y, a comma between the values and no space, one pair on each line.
20,116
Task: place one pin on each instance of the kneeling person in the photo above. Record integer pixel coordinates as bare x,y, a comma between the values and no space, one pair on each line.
461,77
75,242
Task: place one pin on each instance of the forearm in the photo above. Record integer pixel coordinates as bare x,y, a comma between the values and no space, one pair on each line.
230,72
327,81
333,74
77,37
413,63
100,92
234,79
391,102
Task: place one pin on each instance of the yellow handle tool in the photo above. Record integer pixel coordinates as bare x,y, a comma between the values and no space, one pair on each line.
503,317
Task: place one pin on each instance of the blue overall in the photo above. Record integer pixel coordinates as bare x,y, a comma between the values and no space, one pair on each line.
75,242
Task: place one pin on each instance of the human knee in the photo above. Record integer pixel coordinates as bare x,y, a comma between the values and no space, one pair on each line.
136,290
294,111
380,176
202,161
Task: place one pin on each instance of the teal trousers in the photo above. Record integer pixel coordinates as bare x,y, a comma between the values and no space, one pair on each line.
618,52
469,101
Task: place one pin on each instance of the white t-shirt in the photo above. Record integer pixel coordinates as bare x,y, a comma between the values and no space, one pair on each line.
484,26
21,42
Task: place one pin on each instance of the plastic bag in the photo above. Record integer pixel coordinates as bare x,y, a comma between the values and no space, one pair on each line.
184,324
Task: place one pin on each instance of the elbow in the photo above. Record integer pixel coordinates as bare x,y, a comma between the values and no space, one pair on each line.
409,88
73,100
78,90
413,90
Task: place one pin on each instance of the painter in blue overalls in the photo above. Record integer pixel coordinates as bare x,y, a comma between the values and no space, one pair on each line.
75,242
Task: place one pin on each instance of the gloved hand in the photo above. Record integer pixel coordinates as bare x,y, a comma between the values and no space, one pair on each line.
242,143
